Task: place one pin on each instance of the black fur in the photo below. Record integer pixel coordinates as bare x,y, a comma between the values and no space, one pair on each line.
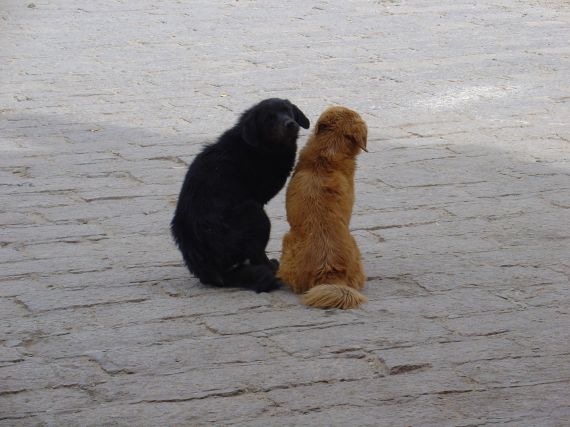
220,225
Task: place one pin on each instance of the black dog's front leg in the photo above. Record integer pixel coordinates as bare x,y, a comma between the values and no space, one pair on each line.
258,256
251,229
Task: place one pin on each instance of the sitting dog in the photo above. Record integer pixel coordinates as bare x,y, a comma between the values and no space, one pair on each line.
220,225
320,257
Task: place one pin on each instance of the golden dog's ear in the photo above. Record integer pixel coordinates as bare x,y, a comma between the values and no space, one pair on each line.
361,142
359,136
321,127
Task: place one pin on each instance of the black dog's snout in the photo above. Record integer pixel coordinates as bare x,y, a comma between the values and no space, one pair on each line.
291,124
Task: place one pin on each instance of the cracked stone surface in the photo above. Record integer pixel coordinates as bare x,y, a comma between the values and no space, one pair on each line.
462,214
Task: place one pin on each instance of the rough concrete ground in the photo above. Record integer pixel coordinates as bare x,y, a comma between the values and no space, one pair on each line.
462,214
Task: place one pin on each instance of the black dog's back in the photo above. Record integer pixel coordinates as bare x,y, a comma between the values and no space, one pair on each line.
220,225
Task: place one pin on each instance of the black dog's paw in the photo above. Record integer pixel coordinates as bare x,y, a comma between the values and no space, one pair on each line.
268,286
274,265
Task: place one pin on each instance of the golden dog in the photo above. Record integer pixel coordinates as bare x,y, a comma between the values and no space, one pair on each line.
320,257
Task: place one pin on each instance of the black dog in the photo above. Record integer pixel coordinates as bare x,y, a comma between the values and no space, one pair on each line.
220,225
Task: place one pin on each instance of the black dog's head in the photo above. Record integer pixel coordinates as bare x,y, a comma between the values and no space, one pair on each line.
272,123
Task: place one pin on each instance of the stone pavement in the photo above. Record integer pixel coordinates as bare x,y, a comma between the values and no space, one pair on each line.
462,214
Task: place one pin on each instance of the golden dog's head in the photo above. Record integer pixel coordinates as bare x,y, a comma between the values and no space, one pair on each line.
341,132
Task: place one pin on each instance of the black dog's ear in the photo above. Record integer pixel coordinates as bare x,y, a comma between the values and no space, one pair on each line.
249,129
300,118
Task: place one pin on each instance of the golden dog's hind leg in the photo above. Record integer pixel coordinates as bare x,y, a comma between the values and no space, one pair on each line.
289,268
356,278
287,261
355,274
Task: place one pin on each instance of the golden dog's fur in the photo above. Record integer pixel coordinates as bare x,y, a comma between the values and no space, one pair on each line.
320,257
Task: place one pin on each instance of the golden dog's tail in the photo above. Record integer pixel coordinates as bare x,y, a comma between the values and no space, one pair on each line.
333,296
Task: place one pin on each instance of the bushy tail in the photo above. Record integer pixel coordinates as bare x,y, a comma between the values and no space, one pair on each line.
333,296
